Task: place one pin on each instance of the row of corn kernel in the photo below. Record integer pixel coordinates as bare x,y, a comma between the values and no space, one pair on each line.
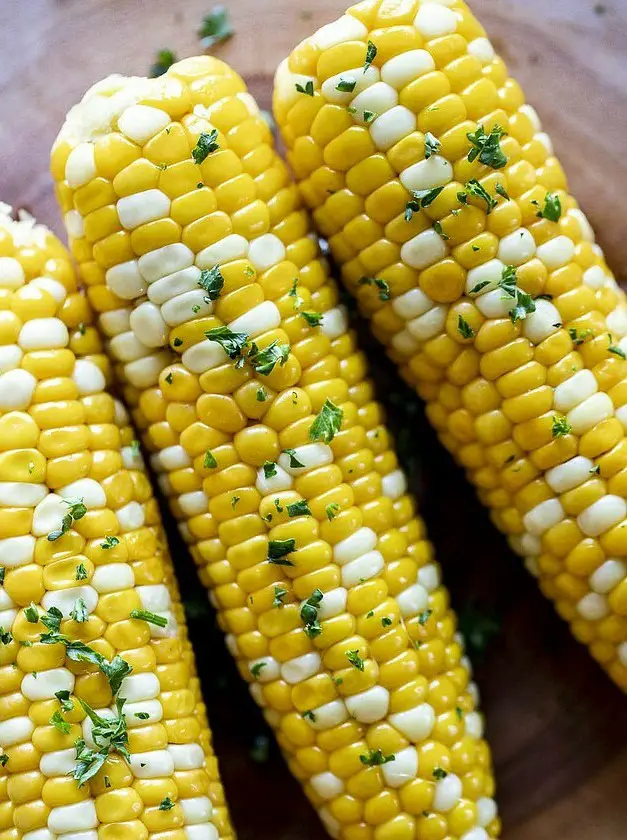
533,409
63,437
381,598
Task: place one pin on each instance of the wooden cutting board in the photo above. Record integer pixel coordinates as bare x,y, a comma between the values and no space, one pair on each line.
558,728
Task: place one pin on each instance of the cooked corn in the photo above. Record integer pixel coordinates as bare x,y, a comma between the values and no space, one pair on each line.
433,180
276,461
89,610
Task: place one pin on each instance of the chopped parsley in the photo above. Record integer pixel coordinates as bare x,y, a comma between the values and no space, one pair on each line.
386,621
313,319
215,28
257,668
464,328
261,395
424,617
432,145
31,614
64,699
459,712
6,637
169,378
206,144
163,61
308,89
502,191
210,462
355,659
211,281
439,774
76,511
263,361
2,574
369,116
234,501
375,758
269,469
309,614
616,350
300,508
79,611
294,462
3,760
381,285
141,715
108,734
371,54
346,85
327,423
487,147
331,510
60,723
166,804
580,337
81,572
560,427
552,209
309,715
523,303
421,199
476,190
278,551
437,227
150,617
108,543
231,342
279,594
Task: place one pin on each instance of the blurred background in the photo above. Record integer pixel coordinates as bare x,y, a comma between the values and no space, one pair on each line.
557,727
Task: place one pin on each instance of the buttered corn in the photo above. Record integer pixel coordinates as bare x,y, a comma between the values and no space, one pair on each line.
442,200
103,730
253,398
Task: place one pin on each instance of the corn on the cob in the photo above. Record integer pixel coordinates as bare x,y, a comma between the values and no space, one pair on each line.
276,461
95,665
433,180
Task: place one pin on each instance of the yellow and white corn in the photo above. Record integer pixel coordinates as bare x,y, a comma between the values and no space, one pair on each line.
63,437
533,405
375,712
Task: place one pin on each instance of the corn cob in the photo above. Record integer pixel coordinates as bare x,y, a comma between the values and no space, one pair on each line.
95,665
275,460
433,181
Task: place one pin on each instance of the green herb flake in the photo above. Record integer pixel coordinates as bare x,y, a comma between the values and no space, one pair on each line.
31,614
300,508
314,319
166,804
464,328
309,715
437,227
552,209
476,190
269,469
108,543
150,617
231,342
560,427
432,145
261,395
346,85
371,54
459,712
309,614
423,617
64,699
278,551
257,668
206,144
2,574
211,281
81,572
439,774
331,510
60,723
502,191
295,464
596,470
375,758
215,28
76,511
327,423
108,734
79,611
3,760
386,621
279,595
381,285
163,61
263,361
355,659
6,637
487,147
210,462
421,199
308,88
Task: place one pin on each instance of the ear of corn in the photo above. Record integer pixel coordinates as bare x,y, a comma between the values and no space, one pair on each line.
276,460
432,178
86,682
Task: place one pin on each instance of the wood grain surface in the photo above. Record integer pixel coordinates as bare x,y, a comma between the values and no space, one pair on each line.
558,728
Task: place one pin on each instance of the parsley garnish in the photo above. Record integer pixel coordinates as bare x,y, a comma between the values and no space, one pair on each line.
309,715
308,89
60,723
616,350
439,774
164,60
4,759
109,542
257,668
169,378
374,758
142,715
64,699
269,469
524,304
561,426
210,462
464,328
552,209
6,637
31,614
580,337
421,199
424,617
81,572
371,54
437,227
278,549
381,285
261,395
207,142
432,145
231,342
386,621
76,511
109,735
279,594
487,147
346,85
166,804
79,611
211,281
263,361
150,617
309,614
2,574
215,27
300,508
501,190
355,659
327,423
474,188
294,462
313,318
331,510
